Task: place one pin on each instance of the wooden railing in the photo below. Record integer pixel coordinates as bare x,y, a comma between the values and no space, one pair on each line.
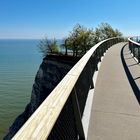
63,108
134,47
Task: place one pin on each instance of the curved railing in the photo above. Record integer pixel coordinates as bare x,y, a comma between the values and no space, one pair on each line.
134,47
59,116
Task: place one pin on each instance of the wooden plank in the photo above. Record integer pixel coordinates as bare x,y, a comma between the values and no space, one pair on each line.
41,122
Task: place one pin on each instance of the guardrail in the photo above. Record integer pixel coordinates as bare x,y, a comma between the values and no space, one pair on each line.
59,116
134,47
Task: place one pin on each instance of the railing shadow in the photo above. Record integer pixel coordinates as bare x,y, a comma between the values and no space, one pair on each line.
128,58
127,53
137,78
132,65
130,78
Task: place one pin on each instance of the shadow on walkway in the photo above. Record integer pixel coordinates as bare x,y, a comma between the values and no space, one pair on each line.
132,65
129,58
137,78
130,78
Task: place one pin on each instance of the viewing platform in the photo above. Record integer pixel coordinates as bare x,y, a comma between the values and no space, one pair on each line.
98,99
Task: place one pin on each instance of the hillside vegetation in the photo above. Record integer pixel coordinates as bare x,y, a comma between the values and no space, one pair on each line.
79,40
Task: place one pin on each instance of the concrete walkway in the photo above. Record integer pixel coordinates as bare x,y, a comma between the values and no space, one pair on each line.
115,111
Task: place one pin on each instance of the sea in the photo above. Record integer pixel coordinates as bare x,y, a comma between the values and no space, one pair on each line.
19,62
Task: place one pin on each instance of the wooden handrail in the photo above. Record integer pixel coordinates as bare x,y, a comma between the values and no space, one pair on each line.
40,124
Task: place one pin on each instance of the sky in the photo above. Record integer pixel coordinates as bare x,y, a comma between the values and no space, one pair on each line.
36,19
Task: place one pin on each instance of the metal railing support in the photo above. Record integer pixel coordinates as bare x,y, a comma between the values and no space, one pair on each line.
66,102
134,47
77,114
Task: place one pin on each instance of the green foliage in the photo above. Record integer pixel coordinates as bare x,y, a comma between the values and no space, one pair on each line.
80,40
47,46
55,46
104,31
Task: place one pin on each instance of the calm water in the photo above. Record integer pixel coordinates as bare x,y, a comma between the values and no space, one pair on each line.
19,62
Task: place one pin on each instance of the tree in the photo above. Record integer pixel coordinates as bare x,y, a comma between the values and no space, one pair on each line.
80,40
65,46
104,31
55,48
47,46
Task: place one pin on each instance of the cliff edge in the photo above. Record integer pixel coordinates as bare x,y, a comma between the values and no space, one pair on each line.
50,73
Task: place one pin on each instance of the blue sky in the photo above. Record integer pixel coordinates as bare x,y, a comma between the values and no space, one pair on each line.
55,18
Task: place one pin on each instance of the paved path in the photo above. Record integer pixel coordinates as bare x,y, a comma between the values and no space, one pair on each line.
115,110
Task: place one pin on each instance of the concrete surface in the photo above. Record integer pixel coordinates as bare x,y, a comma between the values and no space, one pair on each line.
115,110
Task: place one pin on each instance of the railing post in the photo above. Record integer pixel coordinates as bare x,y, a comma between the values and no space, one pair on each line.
134,47
96,61
77,114
99,54
92,71
102,50
107,44
130,47
133,50
138,54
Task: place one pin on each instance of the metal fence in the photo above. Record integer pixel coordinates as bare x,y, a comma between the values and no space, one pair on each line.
134,47
60,115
